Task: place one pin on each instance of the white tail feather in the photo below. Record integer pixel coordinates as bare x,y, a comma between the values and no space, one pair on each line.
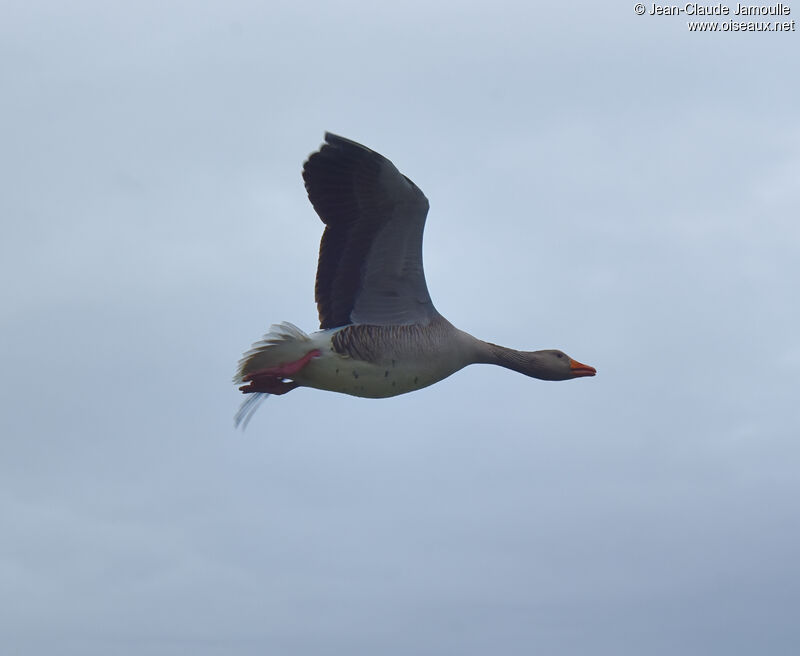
284,342
248,408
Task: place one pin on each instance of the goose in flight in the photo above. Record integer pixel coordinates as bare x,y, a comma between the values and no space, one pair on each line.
380,334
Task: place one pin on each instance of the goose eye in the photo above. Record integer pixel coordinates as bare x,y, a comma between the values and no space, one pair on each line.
559,355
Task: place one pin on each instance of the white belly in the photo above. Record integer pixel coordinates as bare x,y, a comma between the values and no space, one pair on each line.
338,373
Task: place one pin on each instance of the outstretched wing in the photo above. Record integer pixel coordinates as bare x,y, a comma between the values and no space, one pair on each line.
370,258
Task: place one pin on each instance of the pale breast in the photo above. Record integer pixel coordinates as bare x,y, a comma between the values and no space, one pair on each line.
378,361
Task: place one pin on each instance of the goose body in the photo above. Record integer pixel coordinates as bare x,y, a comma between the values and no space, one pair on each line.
380,333
370,361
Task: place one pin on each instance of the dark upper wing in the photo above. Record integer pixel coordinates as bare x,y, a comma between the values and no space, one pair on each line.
370,259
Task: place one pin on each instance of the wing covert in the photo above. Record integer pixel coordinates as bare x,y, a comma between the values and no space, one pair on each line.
370,267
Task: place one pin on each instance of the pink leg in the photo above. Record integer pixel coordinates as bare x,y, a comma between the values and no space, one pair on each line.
285,369
271,379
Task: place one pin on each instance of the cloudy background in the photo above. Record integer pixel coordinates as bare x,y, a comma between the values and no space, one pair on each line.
601,182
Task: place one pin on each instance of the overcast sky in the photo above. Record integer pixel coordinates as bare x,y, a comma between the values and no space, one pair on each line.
600,182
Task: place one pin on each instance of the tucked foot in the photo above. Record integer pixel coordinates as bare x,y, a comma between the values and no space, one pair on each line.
271,379
268,385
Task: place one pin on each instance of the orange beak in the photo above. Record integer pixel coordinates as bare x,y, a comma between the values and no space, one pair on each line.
579,369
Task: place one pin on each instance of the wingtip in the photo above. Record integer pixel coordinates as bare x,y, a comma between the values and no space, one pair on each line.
338,141
332,138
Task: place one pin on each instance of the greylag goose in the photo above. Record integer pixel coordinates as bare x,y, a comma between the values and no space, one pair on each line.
380,334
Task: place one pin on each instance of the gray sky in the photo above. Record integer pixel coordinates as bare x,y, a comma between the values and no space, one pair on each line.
600,182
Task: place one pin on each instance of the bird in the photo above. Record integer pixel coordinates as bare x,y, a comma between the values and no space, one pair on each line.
380,334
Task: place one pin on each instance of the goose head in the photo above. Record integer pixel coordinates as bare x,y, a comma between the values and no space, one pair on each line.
552,364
